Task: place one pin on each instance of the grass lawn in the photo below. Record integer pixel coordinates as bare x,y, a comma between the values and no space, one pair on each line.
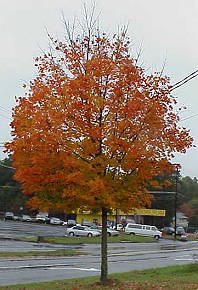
189,237
56,253
87,240
174,277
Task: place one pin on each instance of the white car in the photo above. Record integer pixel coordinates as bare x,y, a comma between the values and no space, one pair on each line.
82,231
110,232
55,221
26,218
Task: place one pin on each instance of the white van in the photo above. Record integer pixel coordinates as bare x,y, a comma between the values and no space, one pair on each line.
143,230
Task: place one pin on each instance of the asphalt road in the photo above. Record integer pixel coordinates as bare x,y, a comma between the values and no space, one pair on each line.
13,271
121,256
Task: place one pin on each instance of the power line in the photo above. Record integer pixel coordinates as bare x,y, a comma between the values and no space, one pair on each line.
5,117
189,117
167,192
184,80
9,167
8,186
5,110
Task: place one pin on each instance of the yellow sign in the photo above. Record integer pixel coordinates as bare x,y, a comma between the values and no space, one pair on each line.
152,212
138,211
145,211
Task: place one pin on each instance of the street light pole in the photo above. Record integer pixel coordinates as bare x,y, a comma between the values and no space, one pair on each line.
176,193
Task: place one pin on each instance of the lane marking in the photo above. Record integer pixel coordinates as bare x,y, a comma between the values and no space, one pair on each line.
151,252
185,256
187,259
70,268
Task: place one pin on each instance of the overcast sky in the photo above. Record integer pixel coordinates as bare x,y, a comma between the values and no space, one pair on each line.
167,30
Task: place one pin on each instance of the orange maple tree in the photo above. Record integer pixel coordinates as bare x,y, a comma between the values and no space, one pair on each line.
94,129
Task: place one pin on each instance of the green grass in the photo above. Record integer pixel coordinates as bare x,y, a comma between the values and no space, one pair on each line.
56,253
27,239
174,277
92,240
190,237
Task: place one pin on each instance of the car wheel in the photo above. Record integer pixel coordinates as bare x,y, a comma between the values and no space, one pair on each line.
71,234
133,234
108,234
156,237
89,235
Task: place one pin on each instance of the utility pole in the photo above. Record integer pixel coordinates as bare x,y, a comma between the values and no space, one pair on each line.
176,193
116,218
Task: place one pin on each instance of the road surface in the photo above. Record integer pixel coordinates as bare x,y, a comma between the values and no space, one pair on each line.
122,257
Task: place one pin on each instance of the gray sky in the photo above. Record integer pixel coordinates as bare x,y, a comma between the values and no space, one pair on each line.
167,30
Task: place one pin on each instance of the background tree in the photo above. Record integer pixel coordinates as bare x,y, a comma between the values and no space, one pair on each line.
94,128
187,210
189,190
11,197
187,199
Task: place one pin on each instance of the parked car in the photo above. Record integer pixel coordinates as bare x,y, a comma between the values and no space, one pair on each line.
180,231
16,218
87,224
110,232
70,223
168,231
143,230
56,221
82,231
120,227
26,218
9,215
42,218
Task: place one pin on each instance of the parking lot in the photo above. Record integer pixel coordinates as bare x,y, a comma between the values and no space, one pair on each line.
13,229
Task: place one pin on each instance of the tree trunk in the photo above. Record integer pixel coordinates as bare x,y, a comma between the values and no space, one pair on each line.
104,268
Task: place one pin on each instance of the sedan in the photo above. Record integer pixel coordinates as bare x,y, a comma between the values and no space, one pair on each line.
26,218
82,231
55,221
9,215
180,231
41,218
110,232
168,231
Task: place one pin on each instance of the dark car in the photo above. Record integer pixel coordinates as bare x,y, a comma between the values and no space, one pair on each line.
9,216
87,224
180,231
70,223
168,230
40,218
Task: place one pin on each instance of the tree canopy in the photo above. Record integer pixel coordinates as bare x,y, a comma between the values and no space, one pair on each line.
94,127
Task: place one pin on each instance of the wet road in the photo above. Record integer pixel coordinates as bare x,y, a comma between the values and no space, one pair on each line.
121,256
13,271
